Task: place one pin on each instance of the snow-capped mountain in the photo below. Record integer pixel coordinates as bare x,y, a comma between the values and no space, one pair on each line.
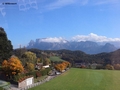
88,47
52,40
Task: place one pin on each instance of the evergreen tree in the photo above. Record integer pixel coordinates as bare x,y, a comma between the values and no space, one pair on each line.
5,46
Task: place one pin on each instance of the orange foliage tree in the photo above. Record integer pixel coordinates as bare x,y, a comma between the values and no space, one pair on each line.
62,66
12,66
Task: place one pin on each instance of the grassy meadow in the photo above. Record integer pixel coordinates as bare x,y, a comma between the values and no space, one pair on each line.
55,58
83,79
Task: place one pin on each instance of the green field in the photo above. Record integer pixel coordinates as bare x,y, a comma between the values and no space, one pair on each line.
55,58
83,79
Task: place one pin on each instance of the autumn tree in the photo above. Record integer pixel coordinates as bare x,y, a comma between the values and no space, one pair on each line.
58,67
109,67
67,64
117,66
5,46
29,57
38,60
62,66
13,66
46,61
30,67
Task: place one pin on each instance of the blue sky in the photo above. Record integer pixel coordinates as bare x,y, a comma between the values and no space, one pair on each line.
70,19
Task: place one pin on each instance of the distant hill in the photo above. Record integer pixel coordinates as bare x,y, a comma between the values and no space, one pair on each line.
76,56
88,47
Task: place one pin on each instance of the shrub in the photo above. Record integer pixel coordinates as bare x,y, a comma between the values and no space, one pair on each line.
100,67
33,73
17,77
38,74
45,71
109,67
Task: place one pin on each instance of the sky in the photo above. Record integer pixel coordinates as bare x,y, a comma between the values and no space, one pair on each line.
79,20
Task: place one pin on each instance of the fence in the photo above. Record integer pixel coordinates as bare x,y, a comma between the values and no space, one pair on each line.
38,83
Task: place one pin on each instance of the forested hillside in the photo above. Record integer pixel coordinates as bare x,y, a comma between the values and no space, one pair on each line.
77,56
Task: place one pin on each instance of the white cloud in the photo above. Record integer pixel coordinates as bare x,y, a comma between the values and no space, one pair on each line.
55,39
94,37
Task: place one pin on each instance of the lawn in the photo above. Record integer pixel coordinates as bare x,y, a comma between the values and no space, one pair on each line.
55,58
83,79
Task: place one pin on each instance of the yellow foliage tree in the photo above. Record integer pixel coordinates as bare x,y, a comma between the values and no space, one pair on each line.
109,67
38,60
46,61
30,66
29,57
12,66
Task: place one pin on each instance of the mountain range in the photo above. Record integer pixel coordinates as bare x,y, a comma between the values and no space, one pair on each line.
88,47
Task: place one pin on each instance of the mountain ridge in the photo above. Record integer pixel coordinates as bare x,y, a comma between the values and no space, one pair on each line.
88,47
